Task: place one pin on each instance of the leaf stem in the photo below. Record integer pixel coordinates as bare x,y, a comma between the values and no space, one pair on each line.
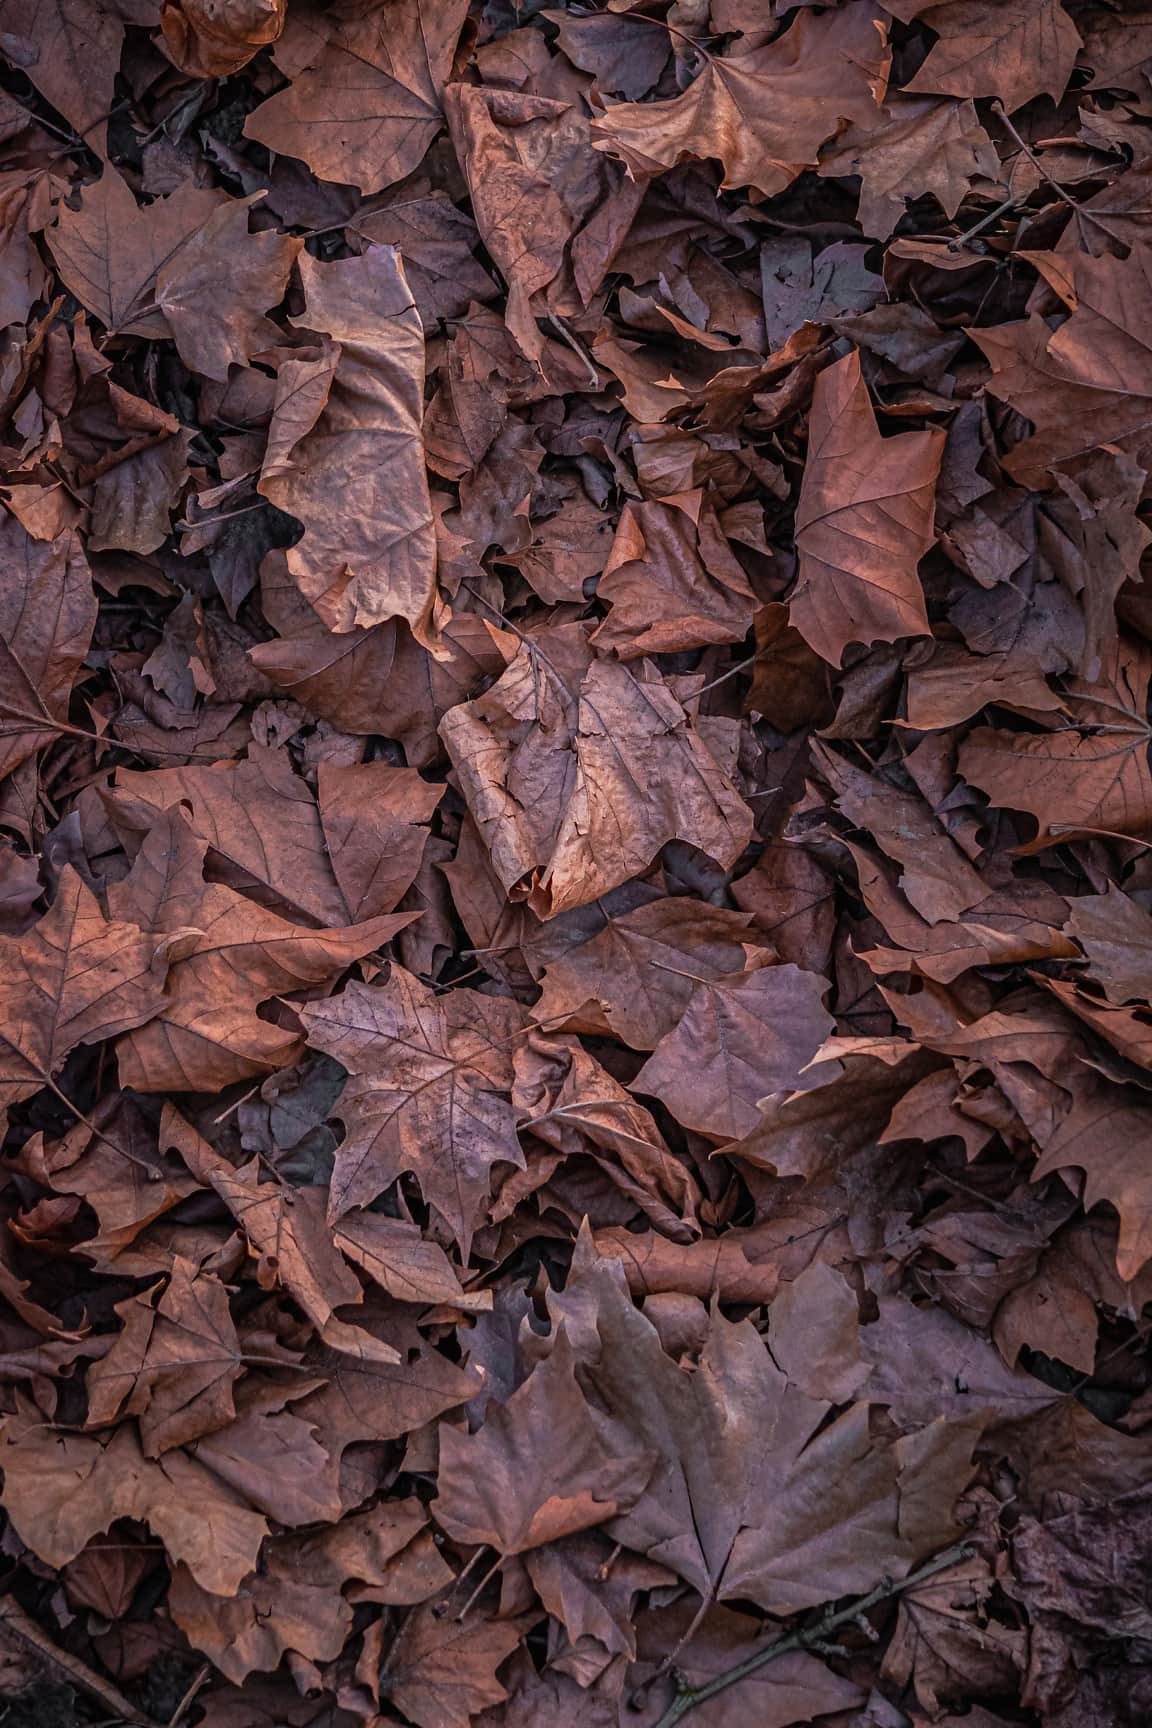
22,1626
811,1637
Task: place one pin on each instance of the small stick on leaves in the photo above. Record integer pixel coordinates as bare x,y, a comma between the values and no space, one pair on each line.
815,1637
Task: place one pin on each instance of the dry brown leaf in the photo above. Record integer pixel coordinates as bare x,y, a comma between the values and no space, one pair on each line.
864,521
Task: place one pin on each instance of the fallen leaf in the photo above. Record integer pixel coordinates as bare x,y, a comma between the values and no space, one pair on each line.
544,759
428,1092
47,613
345,450
363,99
863,522
735,1043
763,113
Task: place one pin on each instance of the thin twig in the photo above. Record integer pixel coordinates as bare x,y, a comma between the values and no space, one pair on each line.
198,1679
14,1620
1061,192
813,1637
740,666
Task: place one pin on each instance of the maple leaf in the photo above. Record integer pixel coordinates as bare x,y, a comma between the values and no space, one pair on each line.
372,815
60,1490
172,1365
440,1671
864,521
1116,937
672,580
228,955
74,978
71,51
763,113
807,1517
946,1642
572,1104
215,290
792,1689
287,1231
912,146
1084,384
47,612
267,1616
362,680
636,975
428,1092
544,759
1103,1134
1093,774
365,85
111,250
1013,49
736,1041
533,177
345,449
544,1466
256,815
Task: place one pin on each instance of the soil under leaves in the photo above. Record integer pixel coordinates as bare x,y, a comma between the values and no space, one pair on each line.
575,862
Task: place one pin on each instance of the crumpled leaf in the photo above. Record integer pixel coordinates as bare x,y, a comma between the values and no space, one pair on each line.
545,760
213,40
428,1092
345,450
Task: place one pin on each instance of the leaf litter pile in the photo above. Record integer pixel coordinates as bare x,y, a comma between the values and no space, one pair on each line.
576,871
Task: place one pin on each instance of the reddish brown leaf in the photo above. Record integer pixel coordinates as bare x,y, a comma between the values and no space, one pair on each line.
863,522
